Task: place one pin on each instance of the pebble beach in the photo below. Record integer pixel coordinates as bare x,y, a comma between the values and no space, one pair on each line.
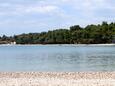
57,79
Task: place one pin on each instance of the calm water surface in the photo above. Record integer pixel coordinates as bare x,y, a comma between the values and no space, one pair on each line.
57,58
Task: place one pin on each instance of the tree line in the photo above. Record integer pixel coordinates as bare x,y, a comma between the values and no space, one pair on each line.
91,34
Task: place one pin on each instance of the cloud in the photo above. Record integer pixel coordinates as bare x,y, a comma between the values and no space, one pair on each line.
7,8
46,14
41,9
36,9
92,9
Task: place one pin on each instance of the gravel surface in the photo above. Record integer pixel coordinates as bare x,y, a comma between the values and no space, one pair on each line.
57,79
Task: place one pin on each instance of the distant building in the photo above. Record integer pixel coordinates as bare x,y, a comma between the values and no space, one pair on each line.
13,43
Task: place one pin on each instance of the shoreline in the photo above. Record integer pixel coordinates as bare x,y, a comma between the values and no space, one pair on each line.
57,78
57,44
67,75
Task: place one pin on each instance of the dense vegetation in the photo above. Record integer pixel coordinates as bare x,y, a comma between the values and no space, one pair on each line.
91,34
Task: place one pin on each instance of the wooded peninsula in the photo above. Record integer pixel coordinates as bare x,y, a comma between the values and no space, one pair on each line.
91,34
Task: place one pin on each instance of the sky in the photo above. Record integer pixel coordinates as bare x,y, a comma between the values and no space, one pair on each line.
25,16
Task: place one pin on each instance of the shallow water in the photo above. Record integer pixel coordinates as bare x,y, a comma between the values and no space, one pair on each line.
65,58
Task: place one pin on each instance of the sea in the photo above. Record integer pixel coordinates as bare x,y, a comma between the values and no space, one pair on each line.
57,58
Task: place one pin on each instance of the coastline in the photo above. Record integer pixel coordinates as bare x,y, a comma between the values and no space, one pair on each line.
57,44
57,78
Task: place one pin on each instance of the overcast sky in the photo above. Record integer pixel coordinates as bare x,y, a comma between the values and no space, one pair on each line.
24,16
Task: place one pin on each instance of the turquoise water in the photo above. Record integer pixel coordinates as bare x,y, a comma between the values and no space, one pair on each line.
57,58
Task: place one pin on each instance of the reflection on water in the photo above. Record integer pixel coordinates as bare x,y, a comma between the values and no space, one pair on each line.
57,58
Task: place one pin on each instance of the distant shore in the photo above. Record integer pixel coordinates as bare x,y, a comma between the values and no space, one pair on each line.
57,79
59,44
